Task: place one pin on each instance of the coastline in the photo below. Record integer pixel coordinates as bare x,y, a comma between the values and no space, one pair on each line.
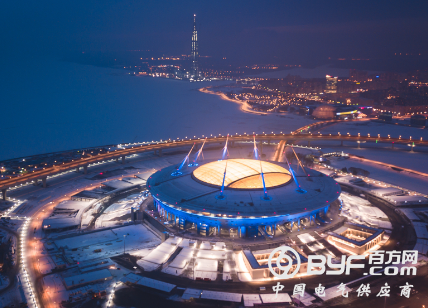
244,107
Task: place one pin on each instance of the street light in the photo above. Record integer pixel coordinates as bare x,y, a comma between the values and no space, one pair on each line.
124,236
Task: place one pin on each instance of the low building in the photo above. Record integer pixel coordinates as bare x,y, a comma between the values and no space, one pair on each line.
349,179
387,191
66,215
257,263
88,278
89,195
407,200
356,238
121,184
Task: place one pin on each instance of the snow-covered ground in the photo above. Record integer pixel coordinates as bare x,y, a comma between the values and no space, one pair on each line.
404,179
401,158
111,242
359,210
12,297
56,291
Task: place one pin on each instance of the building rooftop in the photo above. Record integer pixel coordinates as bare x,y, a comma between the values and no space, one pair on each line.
256,265
373,233
87,278
242,173
89,194
186,193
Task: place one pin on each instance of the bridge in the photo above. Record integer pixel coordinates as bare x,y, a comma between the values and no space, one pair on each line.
299,135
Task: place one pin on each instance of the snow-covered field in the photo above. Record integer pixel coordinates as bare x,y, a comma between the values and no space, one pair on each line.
403,179
111,242
400,156
359,210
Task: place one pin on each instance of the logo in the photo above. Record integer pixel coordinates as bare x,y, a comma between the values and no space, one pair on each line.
390,263
283,255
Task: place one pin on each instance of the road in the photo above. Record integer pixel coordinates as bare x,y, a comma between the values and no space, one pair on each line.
84,162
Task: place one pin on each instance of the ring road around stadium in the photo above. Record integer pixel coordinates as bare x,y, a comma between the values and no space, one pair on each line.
241,196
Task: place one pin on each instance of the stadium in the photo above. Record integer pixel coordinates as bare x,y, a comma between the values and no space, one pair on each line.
242,198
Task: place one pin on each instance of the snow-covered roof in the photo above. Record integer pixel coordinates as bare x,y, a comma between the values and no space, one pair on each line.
160,254
191,293
60,222
387,191
93,265
131,277
118,184
306,299
306,238
251,299
273,298
200,197
186,242
89,194
410,214
206,245
87,278
72,205
140,176
407,200
66,214
183,258
211,254
220,246
206,265
222,296
349,179
204,275
156,284
134,181
421,229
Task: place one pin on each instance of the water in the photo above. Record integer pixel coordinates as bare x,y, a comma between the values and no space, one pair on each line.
51,106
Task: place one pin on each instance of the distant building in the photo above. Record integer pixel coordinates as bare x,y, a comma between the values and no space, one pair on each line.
343,112
195,52
331,84
357,75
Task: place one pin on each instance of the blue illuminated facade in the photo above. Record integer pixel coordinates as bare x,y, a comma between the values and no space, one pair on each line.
245,227
186,202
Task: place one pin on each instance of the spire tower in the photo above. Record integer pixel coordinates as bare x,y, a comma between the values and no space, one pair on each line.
195,53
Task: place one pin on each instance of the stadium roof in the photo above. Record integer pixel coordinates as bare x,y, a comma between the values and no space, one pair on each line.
242,173
186,193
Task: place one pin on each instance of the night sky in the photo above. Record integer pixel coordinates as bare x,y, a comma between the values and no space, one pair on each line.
254,31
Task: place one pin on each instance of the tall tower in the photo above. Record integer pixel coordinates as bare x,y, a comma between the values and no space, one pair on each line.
195,54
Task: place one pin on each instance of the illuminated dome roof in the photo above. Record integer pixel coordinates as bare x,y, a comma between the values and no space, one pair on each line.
242,174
